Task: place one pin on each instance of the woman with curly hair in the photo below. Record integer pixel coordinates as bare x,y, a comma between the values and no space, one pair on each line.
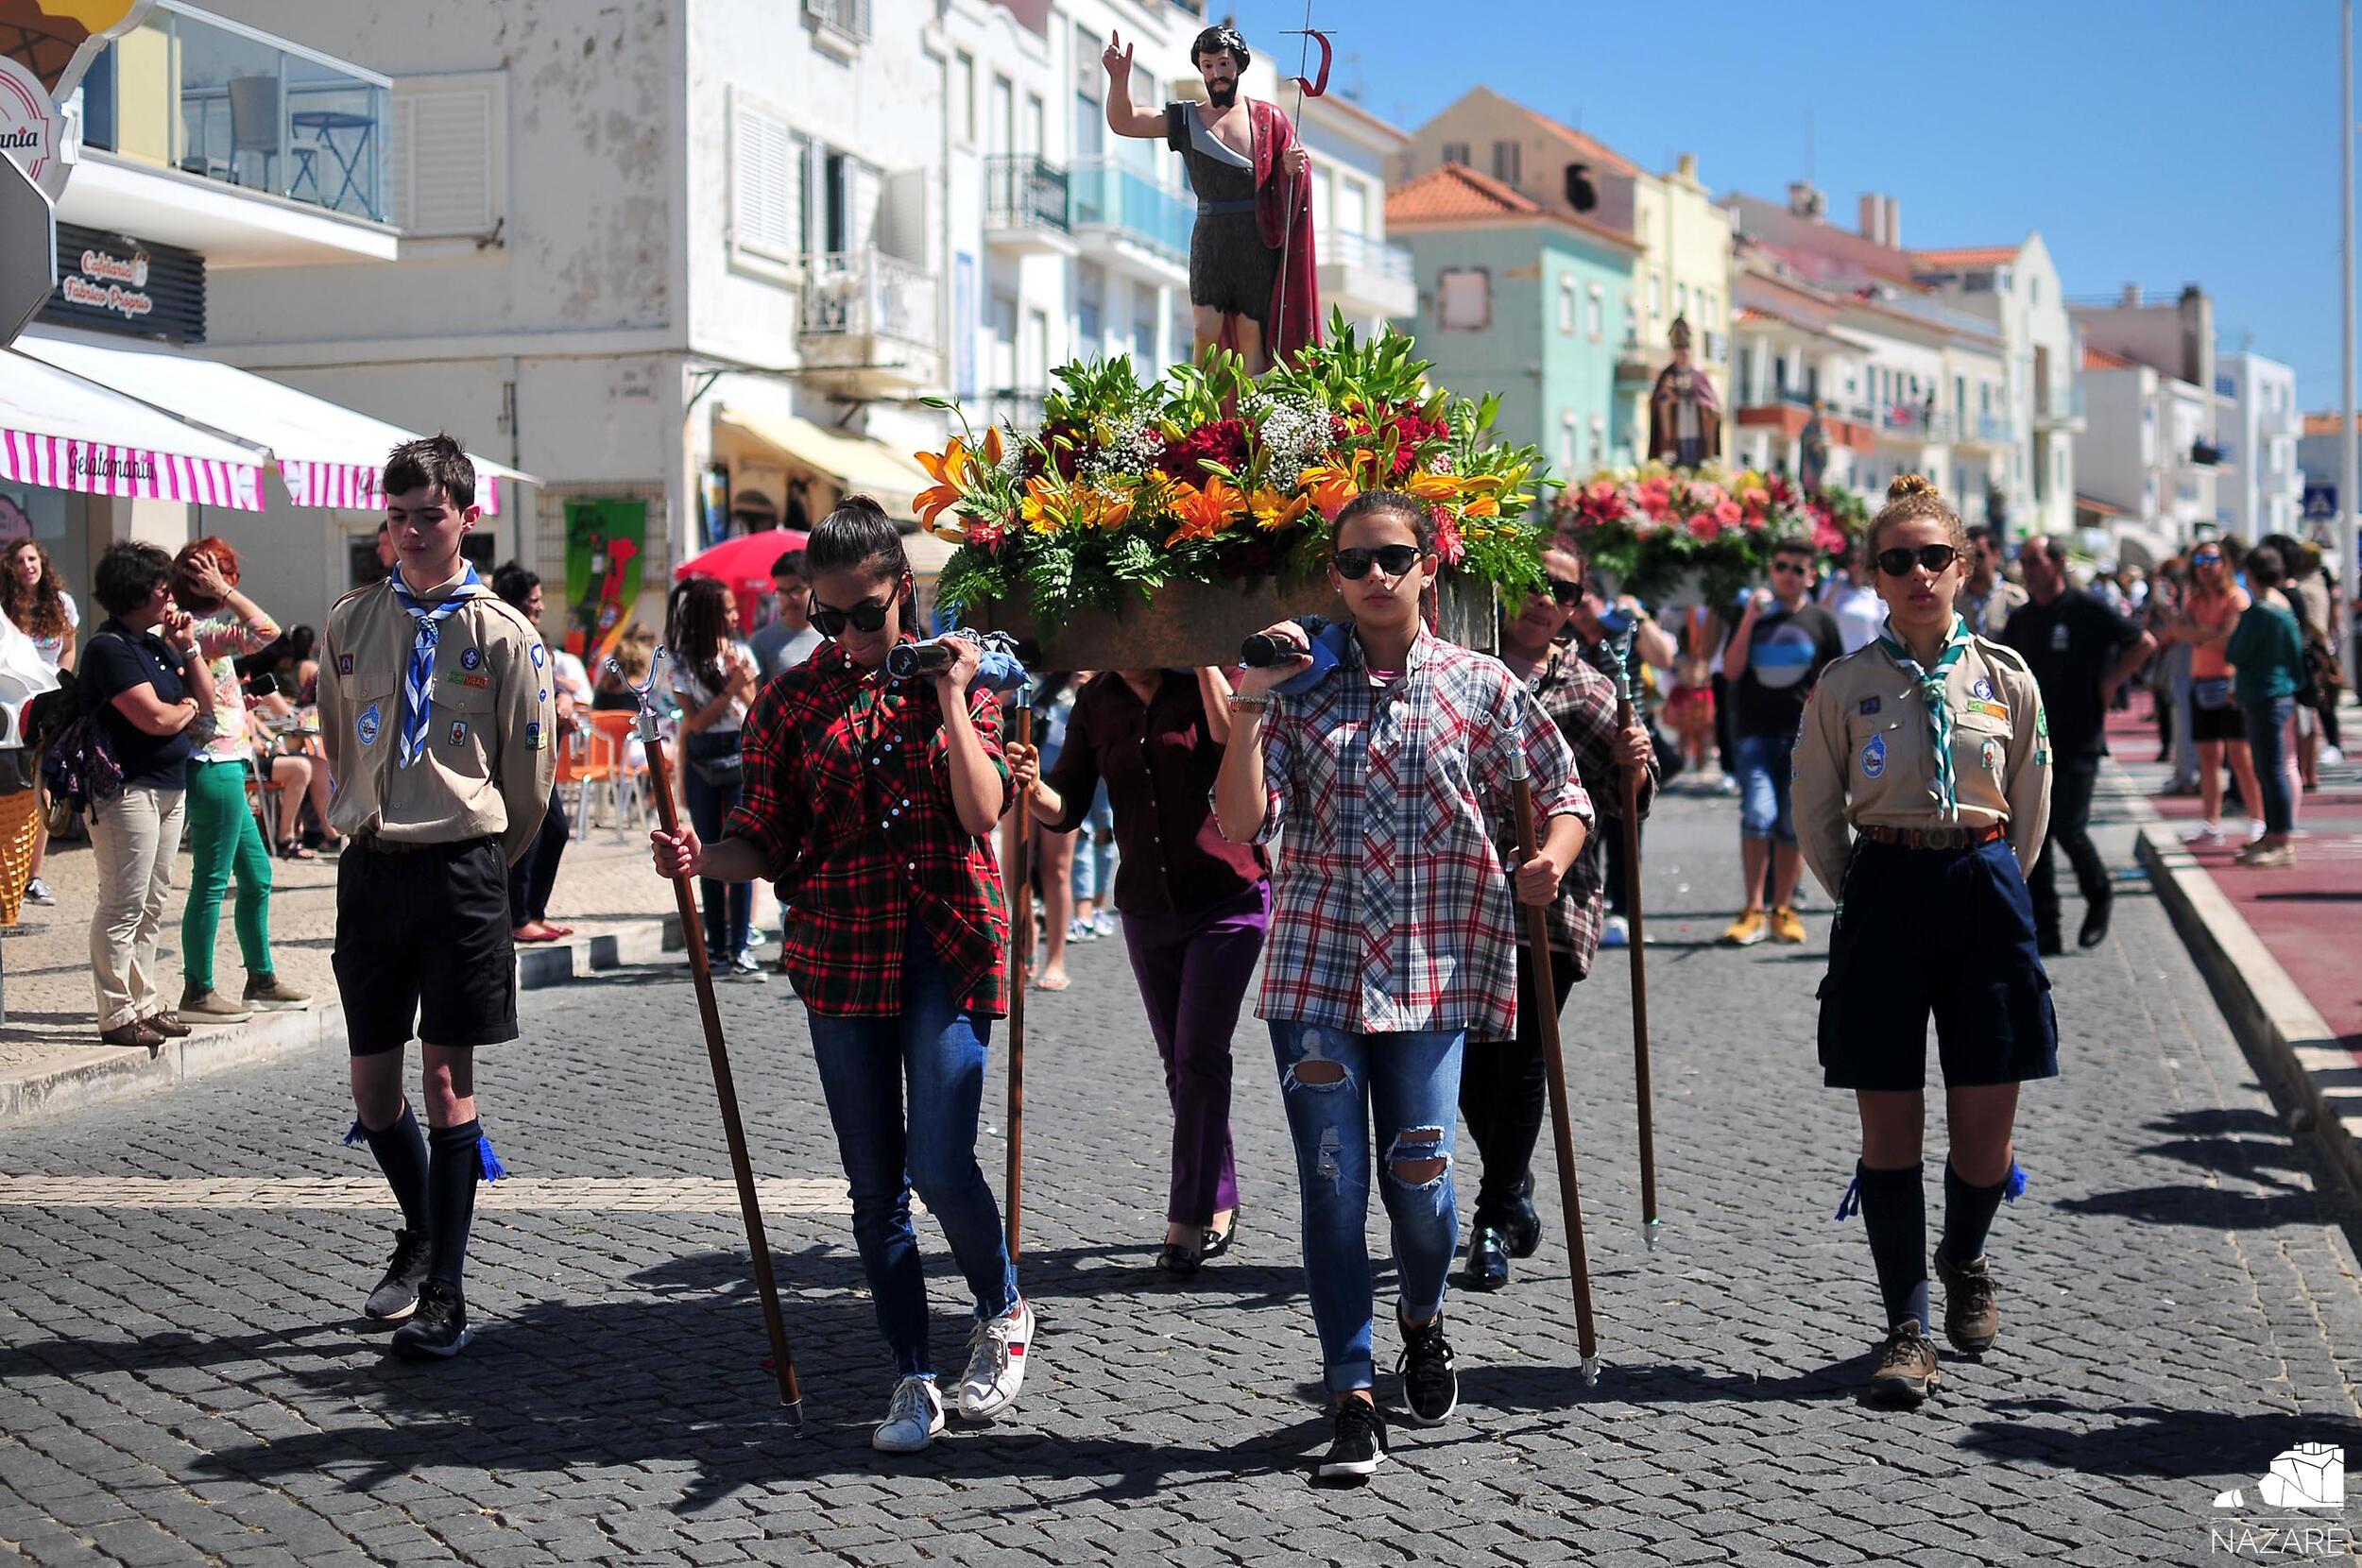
37,603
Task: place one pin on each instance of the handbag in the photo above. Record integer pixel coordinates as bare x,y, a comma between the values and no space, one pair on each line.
715,757
2213,695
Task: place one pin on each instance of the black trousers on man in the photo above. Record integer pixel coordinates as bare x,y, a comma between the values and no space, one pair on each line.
2072,780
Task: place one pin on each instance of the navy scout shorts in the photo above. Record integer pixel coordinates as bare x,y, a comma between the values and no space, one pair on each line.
425,945
1943,932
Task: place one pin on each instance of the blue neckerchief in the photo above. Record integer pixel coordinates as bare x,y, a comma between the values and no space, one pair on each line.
417,687
1932,685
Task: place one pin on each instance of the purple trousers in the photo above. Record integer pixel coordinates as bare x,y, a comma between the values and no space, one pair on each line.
1193,968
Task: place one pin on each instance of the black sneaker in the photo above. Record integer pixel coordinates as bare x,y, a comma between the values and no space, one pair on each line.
439,1328
397,1295
1360,1445
1431,1385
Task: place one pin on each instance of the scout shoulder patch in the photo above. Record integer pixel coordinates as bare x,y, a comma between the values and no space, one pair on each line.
2042,722
458,732
533,736
1870,705
471,659
1982,689
537,655
1874,757
1990,710
344,664
366,726
1991,756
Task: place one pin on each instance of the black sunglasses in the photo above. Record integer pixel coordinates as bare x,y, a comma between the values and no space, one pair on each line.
1395,560
867,615
1567,591
1899,561
1799,566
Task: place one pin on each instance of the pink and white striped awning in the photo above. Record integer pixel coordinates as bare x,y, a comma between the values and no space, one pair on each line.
62,462
60,431
358,486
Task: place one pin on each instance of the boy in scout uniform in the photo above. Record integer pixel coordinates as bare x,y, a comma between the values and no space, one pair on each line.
436,709
1923,791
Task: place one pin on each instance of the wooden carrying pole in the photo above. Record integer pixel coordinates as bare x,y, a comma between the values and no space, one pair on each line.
717,1055
1631,785
1021,965
1561,1119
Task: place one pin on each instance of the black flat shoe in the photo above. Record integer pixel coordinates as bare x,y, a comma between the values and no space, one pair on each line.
1487,1267
1520,1226
1214,1243
1177,1261
2095,929
2049,944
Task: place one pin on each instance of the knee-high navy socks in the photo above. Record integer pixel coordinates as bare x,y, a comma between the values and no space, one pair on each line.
401,1151
1894,1212
452,1174
1968,1215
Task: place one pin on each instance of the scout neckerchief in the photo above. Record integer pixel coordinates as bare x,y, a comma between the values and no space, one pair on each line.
419,685
1932,684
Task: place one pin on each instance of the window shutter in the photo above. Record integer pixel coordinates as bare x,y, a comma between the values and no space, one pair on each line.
445,155
767,185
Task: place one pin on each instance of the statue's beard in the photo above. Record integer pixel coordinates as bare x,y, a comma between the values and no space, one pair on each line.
1221,95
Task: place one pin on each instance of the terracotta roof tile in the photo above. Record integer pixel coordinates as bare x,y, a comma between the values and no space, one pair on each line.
1966,256
1454,190
2100,359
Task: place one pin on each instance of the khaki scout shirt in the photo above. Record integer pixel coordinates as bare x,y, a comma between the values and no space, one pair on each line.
491,753
1865,755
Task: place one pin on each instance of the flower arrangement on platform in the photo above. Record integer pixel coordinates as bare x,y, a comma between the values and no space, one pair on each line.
1650,528
1207,474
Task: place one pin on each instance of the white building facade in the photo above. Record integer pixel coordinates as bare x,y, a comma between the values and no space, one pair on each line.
2259,487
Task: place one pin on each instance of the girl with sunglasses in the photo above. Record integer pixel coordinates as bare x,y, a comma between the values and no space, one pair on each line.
1923,791
1394,935
2208,615
870,803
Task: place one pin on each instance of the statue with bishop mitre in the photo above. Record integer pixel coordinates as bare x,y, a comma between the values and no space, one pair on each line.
1684,416
1252,271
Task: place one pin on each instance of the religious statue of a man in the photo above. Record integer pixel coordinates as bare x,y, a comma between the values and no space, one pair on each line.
1812,460
1251,265
1684,417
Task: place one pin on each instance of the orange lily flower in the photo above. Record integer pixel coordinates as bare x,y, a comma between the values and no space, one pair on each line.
1330,487
952,474
1046,508
1433,486
1206,513
1274,511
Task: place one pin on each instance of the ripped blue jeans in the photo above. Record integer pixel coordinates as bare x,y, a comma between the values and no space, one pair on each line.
1354,1103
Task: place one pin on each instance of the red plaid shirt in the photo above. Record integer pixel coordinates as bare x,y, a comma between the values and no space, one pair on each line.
1392,909
847,795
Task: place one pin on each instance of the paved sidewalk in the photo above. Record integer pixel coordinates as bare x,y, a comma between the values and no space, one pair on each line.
183,1377
50,1057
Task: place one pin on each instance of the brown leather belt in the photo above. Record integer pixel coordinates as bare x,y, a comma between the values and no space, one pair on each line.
1935,838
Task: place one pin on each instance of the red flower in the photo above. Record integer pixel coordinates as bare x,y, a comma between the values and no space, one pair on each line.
1448,545
1222,441
1727,512
1656,498
1705,527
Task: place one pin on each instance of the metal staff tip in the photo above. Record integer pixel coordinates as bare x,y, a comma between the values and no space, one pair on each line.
794,1408
1652,1232
1590,1372
644,693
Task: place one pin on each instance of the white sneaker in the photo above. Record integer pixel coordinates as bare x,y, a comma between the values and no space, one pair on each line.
1103,923
2207,835
2254,829
913,1418
2331,756
996,1363
1616,932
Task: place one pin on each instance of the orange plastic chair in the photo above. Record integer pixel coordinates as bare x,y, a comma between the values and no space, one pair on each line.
611,734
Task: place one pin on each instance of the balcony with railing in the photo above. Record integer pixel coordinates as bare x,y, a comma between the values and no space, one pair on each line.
1019,408
844,24
229,104
2058,407
1130,220
1365,277
1026,202
870,316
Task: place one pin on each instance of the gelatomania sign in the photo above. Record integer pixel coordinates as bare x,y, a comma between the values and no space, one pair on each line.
113,282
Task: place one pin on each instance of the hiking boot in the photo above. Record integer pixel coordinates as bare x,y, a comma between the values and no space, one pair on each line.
269,993
1972,1304
996,1363
1908,1371
438,1330
913,1418
397,1295
1430,1384
208,1006
1749,929
1787,925
1358,1446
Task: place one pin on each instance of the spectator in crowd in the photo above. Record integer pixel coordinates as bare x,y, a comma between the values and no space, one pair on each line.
789,639
1779,648
532,875
1590,638
713,679
2266,651
2209,614
1859,609
1054,852
1986,595
37,603
153,697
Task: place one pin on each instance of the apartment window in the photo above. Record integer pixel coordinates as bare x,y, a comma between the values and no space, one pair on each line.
1353,205
447,159
1681,298
1456,152
1036,124
1507,162
1599,442
1091,118
963,97
1463,299
766,184
1566,445
1631,320
1656,295
1003,131
1034,353
1003,368
1594,313
1566,306
1090,294
1144,326
1743,383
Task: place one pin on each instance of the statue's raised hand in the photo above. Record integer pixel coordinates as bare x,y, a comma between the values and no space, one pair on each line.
1117,58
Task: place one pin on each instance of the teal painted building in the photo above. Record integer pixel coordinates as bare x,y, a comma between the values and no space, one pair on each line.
1533,305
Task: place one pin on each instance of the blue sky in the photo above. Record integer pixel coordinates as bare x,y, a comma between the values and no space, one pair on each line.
2158,142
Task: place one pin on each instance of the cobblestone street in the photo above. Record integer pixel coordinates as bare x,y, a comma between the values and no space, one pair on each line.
185,1376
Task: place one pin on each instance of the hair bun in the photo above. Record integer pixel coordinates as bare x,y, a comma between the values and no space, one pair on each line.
1912,484
856,501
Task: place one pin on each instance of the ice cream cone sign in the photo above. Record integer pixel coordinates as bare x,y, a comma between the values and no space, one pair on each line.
55,40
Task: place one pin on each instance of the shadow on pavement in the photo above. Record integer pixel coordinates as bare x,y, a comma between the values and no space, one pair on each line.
2204,1208
2151,1440
1544,1389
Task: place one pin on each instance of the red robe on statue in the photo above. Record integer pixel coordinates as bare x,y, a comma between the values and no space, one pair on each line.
1283,209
